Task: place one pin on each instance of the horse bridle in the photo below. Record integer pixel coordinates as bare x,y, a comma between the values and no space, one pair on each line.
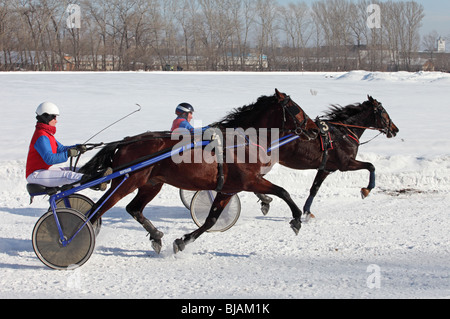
294,110
385,125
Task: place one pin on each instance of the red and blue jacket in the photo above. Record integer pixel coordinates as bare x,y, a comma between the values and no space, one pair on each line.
45,150
181,122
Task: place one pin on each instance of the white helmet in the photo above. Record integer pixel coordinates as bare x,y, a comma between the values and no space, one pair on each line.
47,107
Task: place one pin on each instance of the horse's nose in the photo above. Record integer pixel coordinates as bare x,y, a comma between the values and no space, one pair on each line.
394,130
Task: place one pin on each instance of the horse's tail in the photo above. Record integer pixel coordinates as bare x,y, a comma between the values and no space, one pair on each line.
102,160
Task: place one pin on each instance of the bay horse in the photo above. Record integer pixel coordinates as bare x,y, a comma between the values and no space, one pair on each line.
342,127
267,112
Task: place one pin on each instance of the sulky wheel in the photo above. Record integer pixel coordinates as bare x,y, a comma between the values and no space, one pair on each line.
82,204
186,197
201,205
47,242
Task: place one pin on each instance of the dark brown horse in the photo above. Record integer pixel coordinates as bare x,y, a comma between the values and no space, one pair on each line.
277,112
337,145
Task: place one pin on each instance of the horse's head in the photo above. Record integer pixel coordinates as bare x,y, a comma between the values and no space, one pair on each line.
304,126
382,119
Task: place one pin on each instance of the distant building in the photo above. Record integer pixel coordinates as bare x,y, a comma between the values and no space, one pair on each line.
250,61
441,45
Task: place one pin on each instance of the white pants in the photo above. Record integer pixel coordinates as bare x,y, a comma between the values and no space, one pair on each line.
53,177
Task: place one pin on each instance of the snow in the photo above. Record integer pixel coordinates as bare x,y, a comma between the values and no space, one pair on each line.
394,244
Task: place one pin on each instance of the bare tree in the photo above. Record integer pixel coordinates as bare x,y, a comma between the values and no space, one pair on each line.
97,13
358,29
208,35
403,22
266,32
243,21
185,15
216,31
332,17
5,45
297,26
429,42
414,14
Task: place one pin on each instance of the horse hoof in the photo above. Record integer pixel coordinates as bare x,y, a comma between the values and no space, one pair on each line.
296,224
178,245
365,192
156,245
265,208
309,216
157,235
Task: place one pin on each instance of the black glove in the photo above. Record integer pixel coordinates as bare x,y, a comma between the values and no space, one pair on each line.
72,152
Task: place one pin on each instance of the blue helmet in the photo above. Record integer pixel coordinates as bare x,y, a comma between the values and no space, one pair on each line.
184,108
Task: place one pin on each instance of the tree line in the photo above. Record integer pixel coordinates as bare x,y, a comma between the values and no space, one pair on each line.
197,35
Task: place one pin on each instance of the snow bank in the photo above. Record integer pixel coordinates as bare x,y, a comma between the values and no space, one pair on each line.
421,77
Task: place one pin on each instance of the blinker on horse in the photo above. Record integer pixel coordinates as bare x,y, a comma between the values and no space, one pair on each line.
267,112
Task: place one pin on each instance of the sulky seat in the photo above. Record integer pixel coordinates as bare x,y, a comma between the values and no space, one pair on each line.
39,190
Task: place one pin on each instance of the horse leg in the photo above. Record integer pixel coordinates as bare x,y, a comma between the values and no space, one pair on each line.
136,181
136,207
366,191
357,165
220,202
265,203
265,187
320,177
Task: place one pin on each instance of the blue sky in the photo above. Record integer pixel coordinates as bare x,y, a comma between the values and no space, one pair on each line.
437,15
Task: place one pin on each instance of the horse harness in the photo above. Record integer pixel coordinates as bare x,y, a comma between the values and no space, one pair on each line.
294,110
287,105
325,141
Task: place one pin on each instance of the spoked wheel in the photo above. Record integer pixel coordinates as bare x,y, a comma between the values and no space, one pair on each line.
186,197
201,205
47,242
82,204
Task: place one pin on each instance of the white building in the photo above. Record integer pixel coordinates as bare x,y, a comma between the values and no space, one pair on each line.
441,45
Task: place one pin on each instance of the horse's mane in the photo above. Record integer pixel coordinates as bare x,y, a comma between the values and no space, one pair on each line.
241,116
339,113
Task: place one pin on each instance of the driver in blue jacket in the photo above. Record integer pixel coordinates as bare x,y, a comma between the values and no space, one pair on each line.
184,112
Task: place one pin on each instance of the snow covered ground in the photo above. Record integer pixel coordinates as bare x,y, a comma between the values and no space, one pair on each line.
394,244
